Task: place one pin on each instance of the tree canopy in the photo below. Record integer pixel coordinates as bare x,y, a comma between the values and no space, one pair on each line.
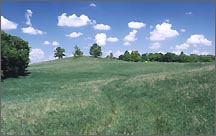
95,50
59,52
14,55
77,53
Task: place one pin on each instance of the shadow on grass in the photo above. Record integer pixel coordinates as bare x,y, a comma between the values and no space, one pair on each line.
12,75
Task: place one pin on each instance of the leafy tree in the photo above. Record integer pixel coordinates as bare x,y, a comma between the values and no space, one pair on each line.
14,55
95,50
78,52
135,56
170,57
145,57
127,56
59,52
110,56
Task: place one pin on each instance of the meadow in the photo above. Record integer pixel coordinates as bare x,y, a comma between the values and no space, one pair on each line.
101,96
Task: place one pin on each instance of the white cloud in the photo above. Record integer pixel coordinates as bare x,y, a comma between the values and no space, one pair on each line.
7,24
55,43
101,27
117,53
36,55
74,34
46,43
28,14
155,46
127,43
136,25
112,39
32,31
73,20
183,46
92,5
183,30
162,32
131,37
199,53
188,13
198,39
100,39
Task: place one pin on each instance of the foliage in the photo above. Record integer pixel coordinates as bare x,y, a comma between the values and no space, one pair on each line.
95,50
14,55
78,52
59,52
110,56
168,57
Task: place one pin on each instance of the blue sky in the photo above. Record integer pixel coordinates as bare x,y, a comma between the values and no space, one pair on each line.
115,26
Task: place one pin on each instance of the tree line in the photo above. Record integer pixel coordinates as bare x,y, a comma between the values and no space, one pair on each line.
135,56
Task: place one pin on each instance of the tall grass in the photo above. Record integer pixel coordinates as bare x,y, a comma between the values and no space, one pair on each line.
98,96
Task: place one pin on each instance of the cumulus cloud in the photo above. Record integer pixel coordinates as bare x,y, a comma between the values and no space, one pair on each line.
73,20
32,31
183,46
183,30
55,43
92,5
127,43
199,52
7,24
198,39
112,39
101,39
74,34
155,46
188,13
102,27
162,32
46,43
36,55
136,25
131,37
28,14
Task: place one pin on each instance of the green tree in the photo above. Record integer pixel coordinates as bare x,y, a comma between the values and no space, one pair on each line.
14,55
78,52
127,56
59,52
135,56
95,50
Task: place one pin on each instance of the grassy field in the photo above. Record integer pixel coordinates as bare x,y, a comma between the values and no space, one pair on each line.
99,96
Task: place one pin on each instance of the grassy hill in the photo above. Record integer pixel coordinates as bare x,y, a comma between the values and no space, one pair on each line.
101,96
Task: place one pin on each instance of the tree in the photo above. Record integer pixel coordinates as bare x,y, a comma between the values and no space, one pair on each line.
127,56
135,56
170,57
95,50
59,52
110,56
14,55
78,52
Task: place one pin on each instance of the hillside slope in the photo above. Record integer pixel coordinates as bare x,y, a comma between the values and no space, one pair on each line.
100,96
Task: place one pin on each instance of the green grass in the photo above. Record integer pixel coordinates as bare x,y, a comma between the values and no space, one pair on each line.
99,96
